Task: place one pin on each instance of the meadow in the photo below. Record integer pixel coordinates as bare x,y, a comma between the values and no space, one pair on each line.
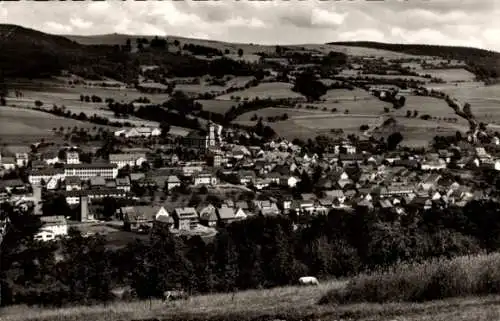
216,105
24,125
450,75
431,106
359,73
456,279
278,111
275,90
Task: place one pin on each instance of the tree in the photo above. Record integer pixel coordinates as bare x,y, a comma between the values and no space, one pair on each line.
415,113
307,84
240,52
177,43
393,140
364,127
38,103
408,113
3,101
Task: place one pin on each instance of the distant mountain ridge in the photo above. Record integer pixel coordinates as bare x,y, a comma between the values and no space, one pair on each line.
484,61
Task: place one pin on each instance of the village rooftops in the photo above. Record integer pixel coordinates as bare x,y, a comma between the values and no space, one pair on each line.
186,212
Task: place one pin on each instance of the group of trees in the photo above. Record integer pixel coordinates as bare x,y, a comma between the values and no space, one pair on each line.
257,252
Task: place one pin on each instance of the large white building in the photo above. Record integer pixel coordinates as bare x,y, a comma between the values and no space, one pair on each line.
86,171
138,132
130,159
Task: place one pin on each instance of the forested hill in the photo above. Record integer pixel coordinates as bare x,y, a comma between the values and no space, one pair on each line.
487,60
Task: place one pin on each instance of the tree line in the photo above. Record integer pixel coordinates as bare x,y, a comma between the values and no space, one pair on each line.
259,252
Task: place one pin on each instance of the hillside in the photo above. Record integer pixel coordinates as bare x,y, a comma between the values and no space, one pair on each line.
487,60
285,304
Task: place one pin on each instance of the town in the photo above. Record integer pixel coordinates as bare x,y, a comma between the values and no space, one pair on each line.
243,181
215,180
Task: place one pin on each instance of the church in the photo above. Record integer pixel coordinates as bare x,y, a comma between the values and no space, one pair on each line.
203,142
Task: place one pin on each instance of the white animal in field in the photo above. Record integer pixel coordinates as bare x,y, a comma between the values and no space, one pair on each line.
174,295
308,280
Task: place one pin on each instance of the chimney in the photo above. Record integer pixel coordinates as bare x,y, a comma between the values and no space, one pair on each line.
84,209
37,198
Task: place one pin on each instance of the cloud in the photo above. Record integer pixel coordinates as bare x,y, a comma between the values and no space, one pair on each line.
80,23
465,22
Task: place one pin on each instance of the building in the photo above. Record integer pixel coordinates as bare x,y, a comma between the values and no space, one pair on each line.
73,183
142,218
132,159
172,182
50,177
86,171
22,159
205,179
138,132
72,157
73,197
123,184
185,218
53,227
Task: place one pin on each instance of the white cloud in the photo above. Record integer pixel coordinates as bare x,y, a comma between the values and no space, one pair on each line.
80,23
56,27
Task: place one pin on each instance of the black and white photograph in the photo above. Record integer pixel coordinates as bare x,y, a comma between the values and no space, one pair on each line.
241,160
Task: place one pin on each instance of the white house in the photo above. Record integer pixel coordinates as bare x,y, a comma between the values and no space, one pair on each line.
138,132
132,159
86,171
22,159
172,182
72,157
53,227
205,179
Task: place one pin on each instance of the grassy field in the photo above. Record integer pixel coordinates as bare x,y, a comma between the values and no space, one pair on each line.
276,111
274,90
450,75
217,105
358,73
428,105
21,125
286,303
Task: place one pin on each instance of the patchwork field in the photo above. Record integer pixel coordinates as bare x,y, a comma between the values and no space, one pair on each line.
450,75
275,90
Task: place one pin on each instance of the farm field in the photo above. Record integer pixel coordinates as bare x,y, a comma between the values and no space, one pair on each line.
363,105
23,125
428,105
275,90
68,95
450,75
419,133
357,73
277,111
216,105
345,94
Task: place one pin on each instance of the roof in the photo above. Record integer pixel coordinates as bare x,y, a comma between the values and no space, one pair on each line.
73,180
173,179
126,157
144,213
225,212
11,183
97,180
123,181
53,220
49,171
186,212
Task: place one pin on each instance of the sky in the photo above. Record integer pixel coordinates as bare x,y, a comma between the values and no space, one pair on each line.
473,23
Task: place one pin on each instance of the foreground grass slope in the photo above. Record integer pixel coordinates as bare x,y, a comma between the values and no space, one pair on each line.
455,285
